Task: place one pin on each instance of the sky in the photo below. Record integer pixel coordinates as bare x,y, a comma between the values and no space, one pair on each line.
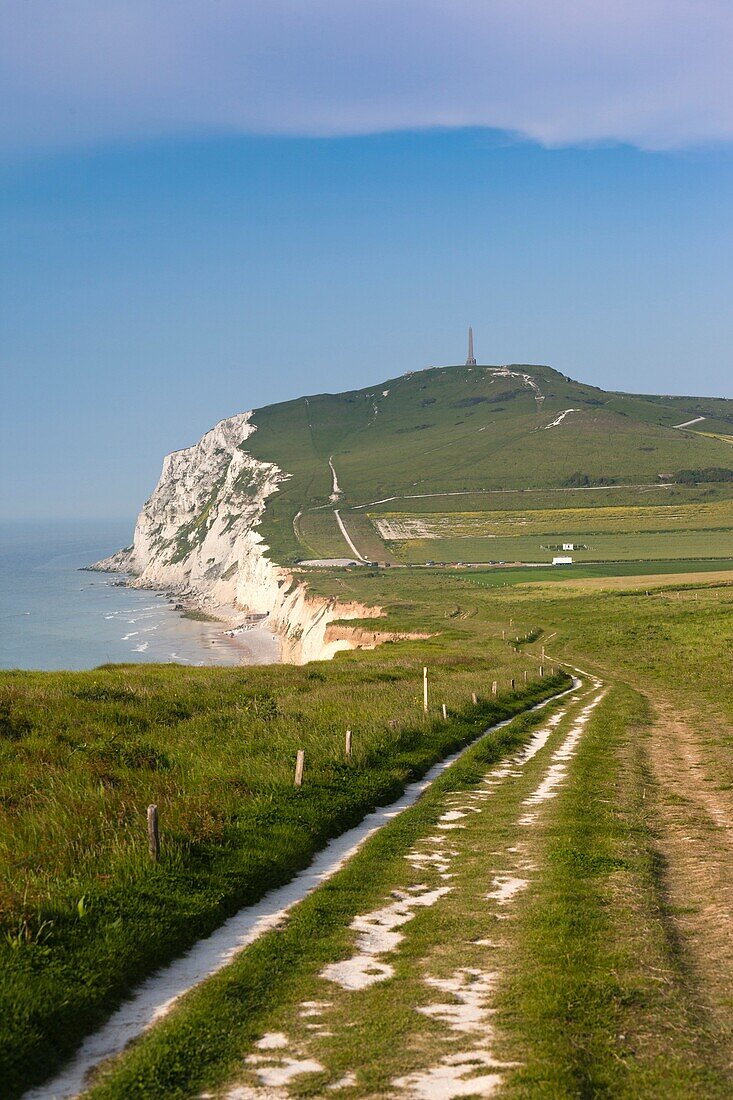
210,205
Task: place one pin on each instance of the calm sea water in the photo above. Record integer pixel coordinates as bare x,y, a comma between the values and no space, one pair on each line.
53,616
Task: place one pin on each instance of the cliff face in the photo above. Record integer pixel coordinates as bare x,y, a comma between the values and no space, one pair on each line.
197,535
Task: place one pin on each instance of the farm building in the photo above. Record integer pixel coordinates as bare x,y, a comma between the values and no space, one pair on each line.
562,560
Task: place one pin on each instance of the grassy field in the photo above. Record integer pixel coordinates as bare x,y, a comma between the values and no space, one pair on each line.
528,500
592,624
627,631
633,574
629,547
700,529
83,754
554,522
268,984
588,988
610,533
320,535
675,410
616,1018
681,527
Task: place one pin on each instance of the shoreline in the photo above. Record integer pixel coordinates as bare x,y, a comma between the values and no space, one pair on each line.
58,615
248,637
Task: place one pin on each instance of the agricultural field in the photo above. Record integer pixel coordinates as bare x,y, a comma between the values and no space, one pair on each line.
608,575
620,533
646,529
704,516
646,547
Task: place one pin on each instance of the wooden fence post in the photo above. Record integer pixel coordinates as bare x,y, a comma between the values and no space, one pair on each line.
153,834
525,675
474,700
445,713
348,744
542,670
425,689
512,683
299,767
494,688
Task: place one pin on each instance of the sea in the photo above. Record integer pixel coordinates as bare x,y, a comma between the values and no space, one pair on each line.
54,615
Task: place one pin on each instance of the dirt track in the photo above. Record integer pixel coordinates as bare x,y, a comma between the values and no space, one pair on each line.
694,803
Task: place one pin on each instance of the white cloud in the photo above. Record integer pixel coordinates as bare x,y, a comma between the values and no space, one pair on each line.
656,73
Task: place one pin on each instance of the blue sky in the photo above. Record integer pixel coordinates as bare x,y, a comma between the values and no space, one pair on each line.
181,248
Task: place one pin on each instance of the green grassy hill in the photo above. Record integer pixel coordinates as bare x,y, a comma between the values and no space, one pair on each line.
480,430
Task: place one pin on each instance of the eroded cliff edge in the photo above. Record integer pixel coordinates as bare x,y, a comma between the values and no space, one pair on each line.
197,536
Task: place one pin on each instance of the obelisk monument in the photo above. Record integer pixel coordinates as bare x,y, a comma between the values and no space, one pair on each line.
471,361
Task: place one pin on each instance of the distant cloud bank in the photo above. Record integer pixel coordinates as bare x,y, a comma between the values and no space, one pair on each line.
654,73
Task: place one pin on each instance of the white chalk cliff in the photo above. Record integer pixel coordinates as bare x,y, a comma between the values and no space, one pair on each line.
197,536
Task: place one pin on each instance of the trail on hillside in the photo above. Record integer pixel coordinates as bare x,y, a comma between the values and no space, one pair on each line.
335,487
347,536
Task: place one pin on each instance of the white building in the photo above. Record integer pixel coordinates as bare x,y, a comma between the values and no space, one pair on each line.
562,560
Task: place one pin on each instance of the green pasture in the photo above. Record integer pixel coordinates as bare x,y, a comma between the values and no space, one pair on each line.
661,546
680,636
651,495
83,754
611,532
202,1045
599,998
501,577
320,536
555,522
671,411
703,529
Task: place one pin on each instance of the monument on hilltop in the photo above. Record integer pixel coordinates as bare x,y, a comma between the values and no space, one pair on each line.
471,361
